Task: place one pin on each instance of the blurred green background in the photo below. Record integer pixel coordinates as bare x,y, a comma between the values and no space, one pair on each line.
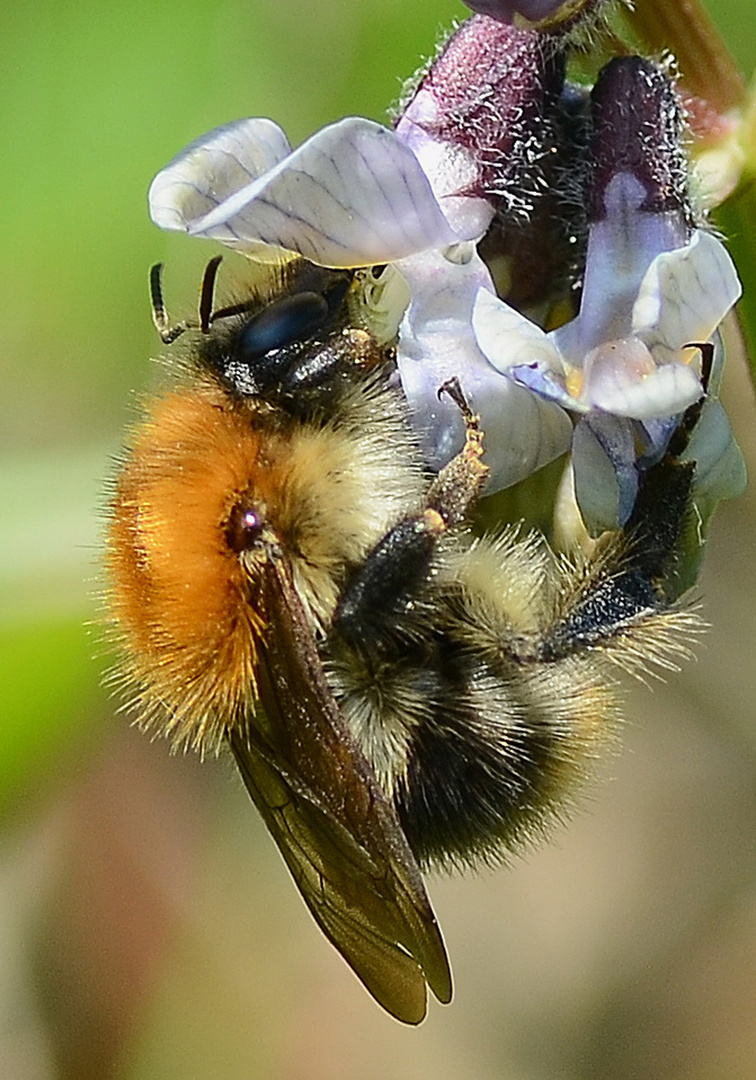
147,926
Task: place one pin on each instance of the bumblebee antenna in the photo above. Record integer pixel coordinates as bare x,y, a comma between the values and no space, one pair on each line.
206,293
690,417
160,318
168,333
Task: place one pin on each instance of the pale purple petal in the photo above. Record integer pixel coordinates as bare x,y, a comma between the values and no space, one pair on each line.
621,377
546,384
436,342
621,246
605,474
653,436
508,338
452,169
213,167
352,195
685,295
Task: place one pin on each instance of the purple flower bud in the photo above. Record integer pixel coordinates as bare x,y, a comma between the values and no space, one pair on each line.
637,127
484,99
533,10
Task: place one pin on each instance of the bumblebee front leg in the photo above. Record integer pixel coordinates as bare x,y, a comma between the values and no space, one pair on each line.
458,485
386,585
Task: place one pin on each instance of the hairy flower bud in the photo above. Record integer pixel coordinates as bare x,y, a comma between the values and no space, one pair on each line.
482,106
637,127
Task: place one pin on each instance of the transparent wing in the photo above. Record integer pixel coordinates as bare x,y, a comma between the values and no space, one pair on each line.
336,830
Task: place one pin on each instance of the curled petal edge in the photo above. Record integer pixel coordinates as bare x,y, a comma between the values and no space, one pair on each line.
351,195
210,169
684,296
508,339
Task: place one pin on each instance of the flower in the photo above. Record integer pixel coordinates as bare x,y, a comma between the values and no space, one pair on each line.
654,290
533,11
624,363
357,194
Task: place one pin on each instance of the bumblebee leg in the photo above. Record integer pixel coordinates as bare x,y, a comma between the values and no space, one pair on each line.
384,586
644,561
459,483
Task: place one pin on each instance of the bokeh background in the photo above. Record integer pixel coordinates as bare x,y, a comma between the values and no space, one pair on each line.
148,928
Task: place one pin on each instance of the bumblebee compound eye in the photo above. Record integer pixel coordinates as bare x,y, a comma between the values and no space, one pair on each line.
262,359
244,529
286,321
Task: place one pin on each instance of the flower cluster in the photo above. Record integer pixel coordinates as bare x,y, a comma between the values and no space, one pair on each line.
493,156
655,291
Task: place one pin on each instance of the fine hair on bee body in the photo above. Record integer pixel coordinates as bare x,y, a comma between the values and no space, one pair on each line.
289,580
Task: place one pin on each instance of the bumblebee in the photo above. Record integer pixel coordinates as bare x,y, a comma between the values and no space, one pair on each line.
290,582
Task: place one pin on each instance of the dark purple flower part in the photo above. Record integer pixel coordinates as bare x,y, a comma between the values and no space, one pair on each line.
506,11
637,130
477,121
654,285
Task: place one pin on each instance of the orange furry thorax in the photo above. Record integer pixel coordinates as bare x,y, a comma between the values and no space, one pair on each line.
184,601
178,592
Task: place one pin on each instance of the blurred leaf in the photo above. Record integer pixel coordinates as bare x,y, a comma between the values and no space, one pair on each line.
47,674
736,218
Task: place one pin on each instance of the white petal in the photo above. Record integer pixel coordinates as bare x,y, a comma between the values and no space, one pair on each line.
509,339
621,247
452,170
436,342
352,195
522,431
620,377
684,295
211,168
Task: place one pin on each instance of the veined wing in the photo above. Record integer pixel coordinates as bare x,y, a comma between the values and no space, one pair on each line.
336,830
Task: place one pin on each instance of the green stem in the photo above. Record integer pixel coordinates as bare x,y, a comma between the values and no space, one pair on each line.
684,27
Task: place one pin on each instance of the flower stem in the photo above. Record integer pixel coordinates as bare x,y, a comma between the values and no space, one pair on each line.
684,27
